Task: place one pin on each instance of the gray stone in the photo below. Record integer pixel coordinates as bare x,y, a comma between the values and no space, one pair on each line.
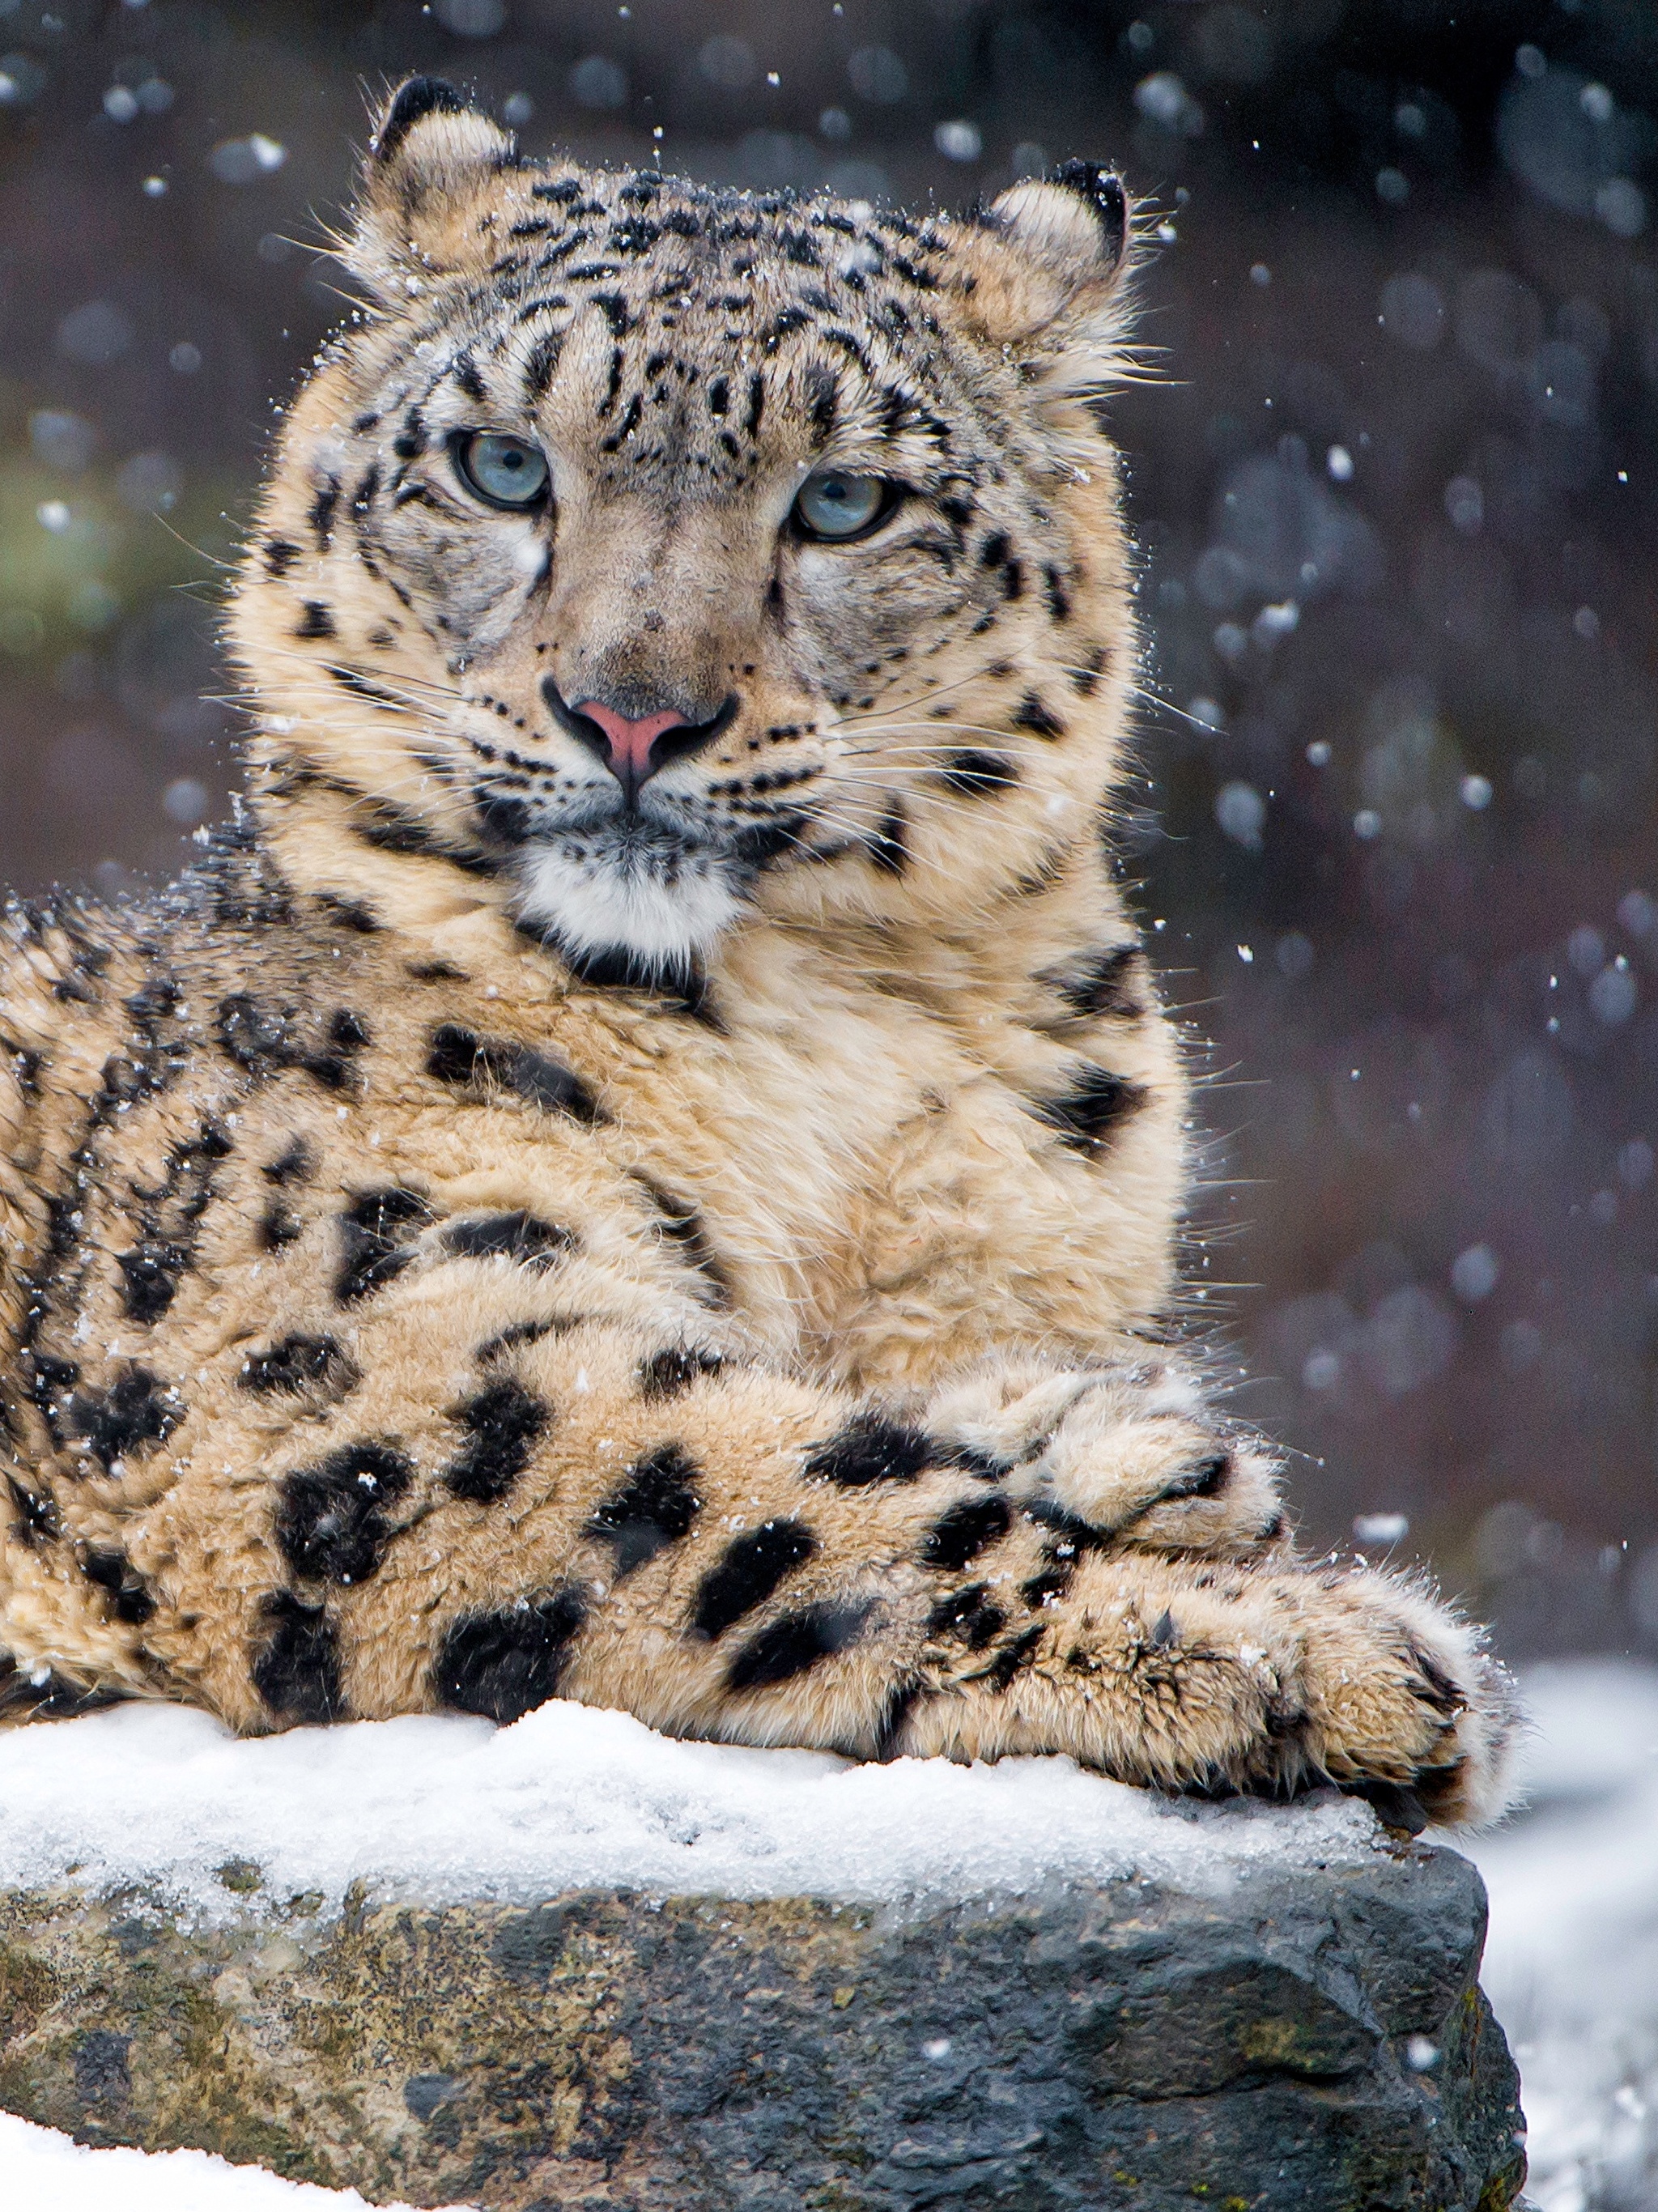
1310,2041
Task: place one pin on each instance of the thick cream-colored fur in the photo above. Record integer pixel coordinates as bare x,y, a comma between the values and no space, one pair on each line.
456,1233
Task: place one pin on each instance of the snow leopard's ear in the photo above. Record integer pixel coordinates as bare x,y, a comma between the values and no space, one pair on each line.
432,157
1043,267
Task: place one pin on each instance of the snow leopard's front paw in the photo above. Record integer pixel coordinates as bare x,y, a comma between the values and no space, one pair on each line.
1123,1454
1188,1674
1400,1704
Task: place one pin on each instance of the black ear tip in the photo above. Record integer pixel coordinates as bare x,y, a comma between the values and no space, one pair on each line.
416,97
1104,193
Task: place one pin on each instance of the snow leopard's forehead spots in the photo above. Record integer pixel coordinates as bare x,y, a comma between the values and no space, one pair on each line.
684,360
695,297
655,550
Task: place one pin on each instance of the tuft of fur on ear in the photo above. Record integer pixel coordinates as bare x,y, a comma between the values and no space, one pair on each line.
1044,267
431,156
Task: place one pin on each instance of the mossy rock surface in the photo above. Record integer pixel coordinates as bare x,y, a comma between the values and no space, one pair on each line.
1130,2046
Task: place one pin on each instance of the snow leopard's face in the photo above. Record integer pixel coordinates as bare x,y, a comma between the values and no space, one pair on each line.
647,546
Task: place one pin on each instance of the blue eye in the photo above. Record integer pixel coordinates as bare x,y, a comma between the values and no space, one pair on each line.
837,507
503,470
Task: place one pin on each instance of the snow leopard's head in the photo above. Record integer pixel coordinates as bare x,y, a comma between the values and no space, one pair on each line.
654,552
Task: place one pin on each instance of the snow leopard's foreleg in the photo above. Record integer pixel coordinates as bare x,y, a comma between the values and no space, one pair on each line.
626,1511
1080,1563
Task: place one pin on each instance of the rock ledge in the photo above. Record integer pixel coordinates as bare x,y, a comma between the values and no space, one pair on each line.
1306,2038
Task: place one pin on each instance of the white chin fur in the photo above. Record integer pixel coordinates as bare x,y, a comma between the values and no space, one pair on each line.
594,908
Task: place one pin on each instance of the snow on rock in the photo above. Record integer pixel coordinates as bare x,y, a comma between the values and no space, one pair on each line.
463,1843
448,1808
698,2050
42,2170
569,1798
1571,1962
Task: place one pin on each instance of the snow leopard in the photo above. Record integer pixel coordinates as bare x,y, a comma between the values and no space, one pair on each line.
646,1163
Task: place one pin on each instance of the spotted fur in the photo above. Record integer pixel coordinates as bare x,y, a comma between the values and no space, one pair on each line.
689,1240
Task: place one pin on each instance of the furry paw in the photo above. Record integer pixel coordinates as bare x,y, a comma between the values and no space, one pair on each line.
1401,1705
1129,1455
1217,1677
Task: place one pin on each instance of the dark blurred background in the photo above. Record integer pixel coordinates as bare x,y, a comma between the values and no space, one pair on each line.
1397,498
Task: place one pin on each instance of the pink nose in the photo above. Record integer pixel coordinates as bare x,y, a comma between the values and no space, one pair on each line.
630,742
